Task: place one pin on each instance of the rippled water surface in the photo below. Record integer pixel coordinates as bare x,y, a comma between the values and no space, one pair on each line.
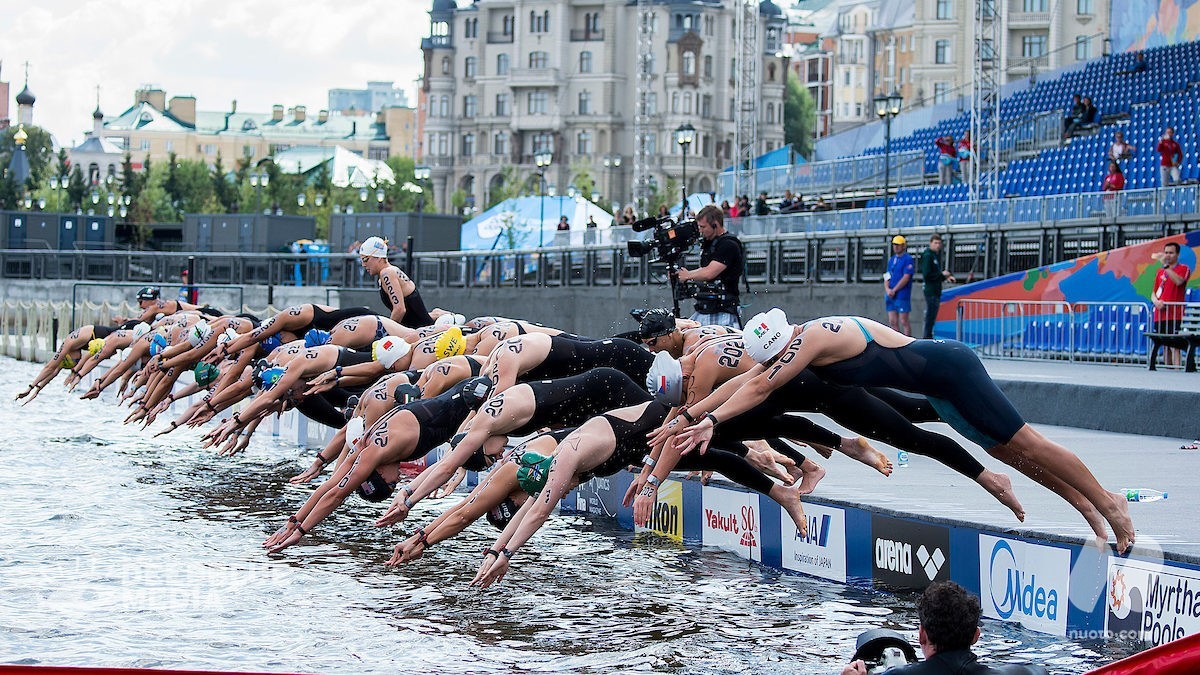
120,550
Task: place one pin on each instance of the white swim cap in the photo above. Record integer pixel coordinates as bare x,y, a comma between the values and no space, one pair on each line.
766,334
450,320
389,350
140,329
665,380
229,334
356,428
373,247
199,333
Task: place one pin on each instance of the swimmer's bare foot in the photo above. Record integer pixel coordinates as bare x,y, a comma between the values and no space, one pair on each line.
812,476
1001,488
1122,524
860,449
789,499
768,462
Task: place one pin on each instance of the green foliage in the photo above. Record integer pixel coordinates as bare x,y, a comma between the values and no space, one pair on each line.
799,117
10,192
510,185
39,150
75,189
668,198
583,180
223,190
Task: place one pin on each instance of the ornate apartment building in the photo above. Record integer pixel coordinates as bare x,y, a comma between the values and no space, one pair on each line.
506,80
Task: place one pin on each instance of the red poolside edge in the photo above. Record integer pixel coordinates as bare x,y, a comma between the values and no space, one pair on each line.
1180,656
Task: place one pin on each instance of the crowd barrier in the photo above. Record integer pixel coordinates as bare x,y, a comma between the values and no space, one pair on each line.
833,176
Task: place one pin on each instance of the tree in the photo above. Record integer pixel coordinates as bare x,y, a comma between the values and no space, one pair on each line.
510,185
10,192
75,189
223,190
583,181
799,117
39,150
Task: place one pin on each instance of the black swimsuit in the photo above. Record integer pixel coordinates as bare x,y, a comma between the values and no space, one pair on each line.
348,357
439,418
415,314
630,444
570,401
101,332
571,356
326,320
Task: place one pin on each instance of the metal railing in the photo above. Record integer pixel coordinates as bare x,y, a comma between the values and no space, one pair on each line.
864,173
1111,332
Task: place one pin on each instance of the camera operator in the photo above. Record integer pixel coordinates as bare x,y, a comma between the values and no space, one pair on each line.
949,617
721,260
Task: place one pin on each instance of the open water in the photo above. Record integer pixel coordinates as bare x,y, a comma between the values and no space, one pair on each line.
121,550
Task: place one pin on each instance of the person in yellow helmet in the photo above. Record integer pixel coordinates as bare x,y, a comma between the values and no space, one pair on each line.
897,286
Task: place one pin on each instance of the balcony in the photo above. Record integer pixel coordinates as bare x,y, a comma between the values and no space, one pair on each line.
520,78
495,37
436,42
585,35
536,122
1018,17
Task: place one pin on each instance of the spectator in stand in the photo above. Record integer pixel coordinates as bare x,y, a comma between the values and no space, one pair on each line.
1090,114
947,160
966,153
627,216
1172,157
1139,65
822,205
1114,182
791,203
589,235
664,211
735,211
1170,288
727,209
563,225
1120,149
744,205
1074,116
934,274
897,284
760,205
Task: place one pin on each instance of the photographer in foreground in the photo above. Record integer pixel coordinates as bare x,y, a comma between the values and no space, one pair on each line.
721,261
949,617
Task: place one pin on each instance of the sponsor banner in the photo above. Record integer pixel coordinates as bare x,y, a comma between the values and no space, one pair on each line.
598,497
1149,600
907,554
731,521
667,518
1024,582
822,553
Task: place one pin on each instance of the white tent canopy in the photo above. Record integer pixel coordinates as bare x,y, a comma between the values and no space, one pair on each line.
345,168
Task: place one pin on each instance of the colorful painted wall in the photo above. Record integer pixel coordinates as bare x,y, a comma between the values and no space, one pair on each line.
1137,24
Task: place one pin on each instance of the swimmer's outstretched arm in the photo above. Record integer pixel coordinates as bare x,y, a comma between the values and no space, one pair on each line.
332,453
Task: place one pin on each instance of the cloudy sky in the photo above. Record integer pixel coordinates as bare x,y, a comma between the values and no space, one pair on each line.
259,52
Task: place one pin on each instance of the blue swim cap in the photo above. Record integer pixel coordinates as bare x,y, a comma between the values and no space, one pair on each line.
157,344
316,337
268,377
271,344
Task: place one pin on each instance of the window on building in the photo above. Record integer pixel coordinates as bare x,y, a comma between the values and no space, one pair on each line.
1036,5
583,143
941,51
652,143
687,103
538,59
858,109
471,28
1084,7
507,24
706,106
847,78
537,103
445,65
770,113
1033,46
689,63
585,102
585,62
944,10
469,67
502,104
675,103
709,26
652,103
502,64
941,92
500,143
170,146
444,106
470,106
708,66
543,141
380,154
145,144
539,23
247,151
1082,49
468,145
772,39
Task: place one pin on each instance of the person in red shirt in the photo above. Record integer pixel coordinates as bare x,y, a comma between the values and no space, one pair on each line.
1170,286
947,159
1172,157
966,153
1114,182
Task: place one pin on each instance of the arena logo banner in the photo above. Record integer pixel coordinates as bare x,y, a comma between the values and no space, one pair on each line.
1151,602
1025,583
597,497
731,522
821,552
667,518
906,554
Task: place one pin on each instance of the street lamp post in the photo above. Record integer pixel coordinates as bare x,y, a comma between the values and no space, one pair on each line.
421,174
259,181
542,160
887,107
684,136
612,162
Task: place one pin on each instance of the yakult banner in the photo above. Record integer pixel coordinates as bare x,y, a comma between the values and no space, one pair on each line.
822,552
1026,583
731,522
1151,601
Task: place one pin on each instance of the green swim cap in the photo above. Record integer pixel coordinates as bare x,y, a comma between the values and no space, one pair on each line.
205,373
532,471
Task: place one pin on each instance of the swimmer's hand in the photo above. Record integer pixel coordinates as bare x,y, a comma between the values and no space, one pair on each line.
308,474
658,438
323,382
643,505
291,539
634,488
282,534
696,436
702,476
29,390
173,426
491,571
451,485
397,511
406,551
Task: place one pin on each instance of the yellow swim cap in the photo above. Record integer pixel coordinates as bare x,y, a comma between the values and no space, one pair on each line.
451,343
67,363
95,345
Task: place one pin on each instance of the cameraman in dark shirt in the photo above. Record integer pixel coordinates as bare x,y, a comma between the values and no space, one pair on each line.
949,617
721,261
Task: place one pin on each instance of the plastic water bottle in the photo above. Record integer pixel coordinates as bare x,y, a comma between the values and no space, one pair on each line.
902,458
1142,494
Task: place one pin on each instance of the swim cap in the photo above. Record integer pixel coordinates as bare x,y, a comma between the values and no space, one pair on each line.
406,393
228,335
665,380
316,337
532,472
205,373
477,390
450,320
373,247
500,516
898,239
656,323
140,329
389,350
451,343
375,488
356,428
95,345
67,363
271,344
351,404
199,333
157,344
269,377
148,293
766,334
